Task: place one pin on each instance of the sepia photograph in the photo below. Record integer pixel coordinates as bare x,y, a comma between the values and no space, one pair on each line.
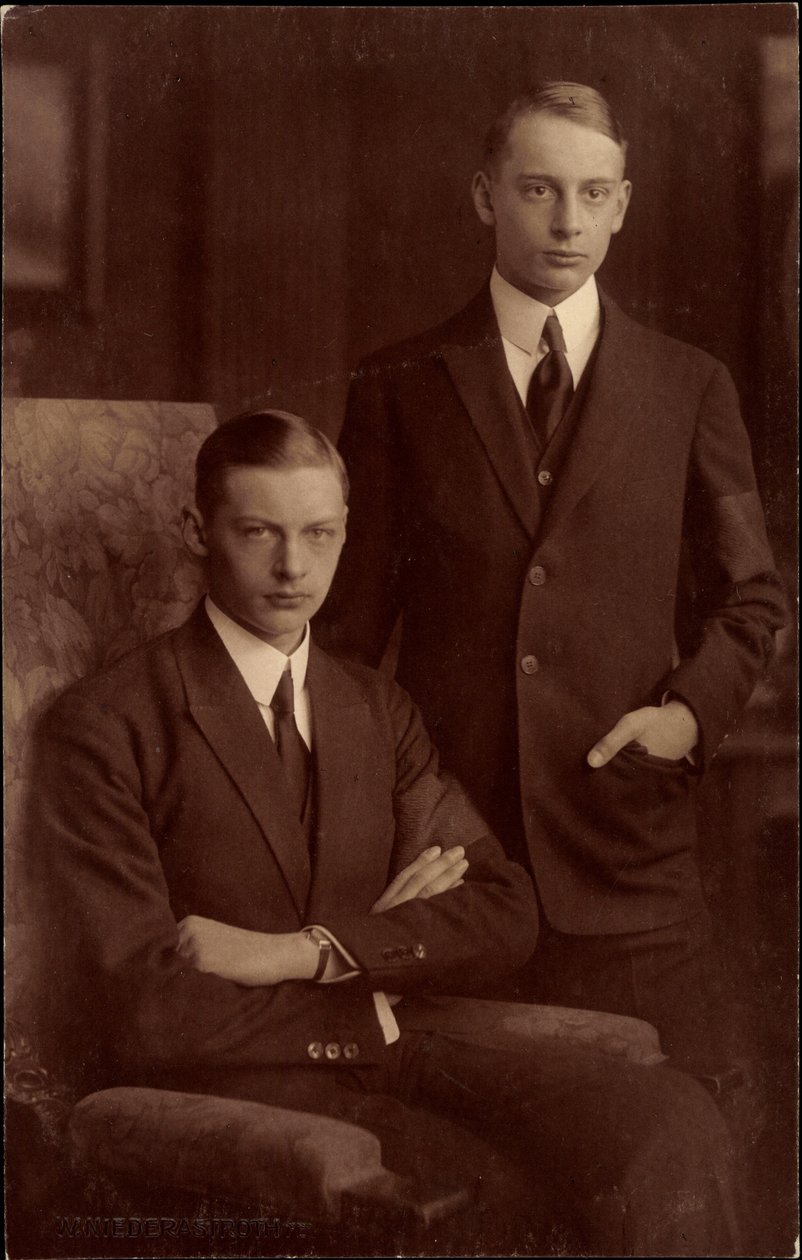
400,555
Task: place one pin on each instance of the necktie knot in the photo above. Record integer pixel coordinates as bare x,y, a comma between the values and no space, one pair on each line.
284,696
553,335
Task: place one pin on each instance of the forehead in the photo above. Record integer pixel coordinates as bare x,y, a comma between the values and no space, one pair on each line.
286,493
546,144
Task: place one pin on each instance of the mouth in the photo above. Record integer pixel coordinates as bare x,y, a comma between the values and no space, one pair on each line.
563,256
286,599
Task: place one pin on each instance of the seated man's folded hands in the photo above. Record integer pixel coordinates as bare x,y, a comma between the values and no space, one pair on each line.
264,958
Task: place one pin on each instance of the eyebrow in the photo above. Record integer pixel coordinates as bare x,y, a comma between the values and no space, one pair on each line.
263,520
554,179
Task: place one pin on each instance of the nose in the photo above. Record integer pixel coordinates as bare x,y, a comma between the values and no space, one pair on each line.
290,560
566,222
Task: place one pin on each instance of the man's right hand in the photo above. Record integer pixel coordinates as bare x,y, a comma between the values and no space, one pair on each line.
432,872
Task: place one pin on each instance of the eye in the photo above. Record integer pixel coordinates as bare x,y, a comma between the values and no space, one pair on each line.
538,191
256,531
596,194
319,533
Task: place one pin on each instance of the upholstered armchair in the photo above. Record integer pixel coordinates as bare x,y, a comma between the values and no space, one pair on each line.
94,565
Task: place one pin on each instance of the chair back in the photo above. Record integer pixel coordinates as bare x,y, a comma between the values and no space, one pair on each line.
94,565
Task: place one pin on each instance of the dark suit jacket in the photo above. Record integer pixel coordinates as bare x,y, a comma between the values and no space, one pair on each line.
535,617
160,794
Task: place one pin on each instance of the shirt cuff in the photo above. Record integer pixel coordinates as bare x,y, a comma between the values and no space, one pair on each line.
386,1018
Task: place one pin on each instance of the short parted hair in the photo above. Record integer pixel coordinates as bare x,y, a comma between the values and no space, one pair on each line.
575,101
267,439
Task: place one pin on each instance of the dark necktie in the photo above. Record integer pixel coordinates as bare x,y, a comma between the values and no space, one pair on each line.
290,747
551,386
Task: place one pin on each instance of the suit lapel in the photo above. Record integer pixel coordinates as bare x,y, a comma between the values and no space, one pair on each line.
353,789
229,718
613,405
474,355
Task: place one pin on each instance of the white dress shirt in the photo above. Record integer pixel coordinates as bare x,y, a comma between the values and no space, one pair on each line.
521,320
261,667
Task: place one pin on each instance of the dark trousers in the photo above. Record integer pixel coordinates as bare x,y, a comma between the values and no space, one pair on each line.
670,977
624,1160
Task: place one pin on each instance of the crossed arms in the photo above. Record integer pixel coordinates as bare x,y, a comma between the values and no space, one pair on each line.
260,958
139,826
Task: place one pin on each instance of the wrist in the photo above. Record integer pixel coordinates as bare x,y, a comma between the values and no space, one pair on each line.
320,948
685,717
286,956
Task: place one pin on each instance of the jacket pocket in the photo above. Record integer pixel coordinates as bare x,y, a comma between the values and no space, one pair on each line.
648,761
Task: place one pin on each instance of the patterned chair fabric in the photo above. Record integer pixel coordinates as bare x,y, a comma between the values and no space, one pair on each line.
94,565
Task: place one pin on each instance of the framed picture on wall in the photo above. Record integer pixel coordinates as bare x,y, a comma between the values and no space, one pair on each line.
54,138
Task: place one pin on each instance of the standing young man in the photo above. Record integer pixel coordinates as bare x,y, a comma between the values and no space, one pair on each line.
562,505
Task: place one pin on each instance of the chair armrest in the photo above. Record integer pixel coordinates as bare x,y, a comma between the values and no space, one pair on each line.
511,1024
721,1080
310,1166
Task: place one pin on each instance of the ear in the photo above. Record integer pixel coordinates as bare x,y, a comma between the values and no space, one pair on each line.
624,194
481,190
193,532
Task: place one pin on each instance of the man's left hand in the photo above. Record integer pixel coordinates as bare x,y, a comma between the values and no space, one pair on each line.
671,732
432,872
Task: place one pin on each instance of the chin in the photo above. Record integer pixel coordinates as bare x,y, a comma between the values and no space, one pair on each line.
566,285
278,630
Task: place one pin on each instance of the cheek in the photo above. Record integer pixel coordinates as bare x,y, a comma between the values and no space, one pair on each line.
241,572
325,568
606,224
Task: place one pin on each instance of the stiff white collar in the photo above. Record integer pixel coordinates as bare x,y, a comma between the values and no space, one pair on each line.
521,318
260,664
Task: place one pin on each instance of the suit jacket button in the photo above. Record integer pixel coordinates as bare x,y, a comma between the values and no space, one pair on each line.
537,575
419,951
544,477
332,1050
530,664
315,1050
350,1050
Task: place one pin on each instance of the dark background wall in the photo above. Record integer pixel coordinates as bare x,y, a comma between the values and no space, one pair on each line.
263,195
258,197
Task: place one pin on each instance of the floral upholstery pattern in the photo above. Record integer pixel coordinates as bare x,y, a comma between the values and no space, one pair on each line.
94,563
517,1024
223,1146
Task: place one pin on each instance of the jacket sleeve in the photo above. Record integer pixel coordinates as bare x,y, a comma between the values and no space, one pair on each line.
360,613
463,938
737,596
111,935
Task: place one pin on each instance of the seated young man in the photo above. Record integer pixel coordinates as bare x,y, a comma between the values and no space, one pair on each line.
249,846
